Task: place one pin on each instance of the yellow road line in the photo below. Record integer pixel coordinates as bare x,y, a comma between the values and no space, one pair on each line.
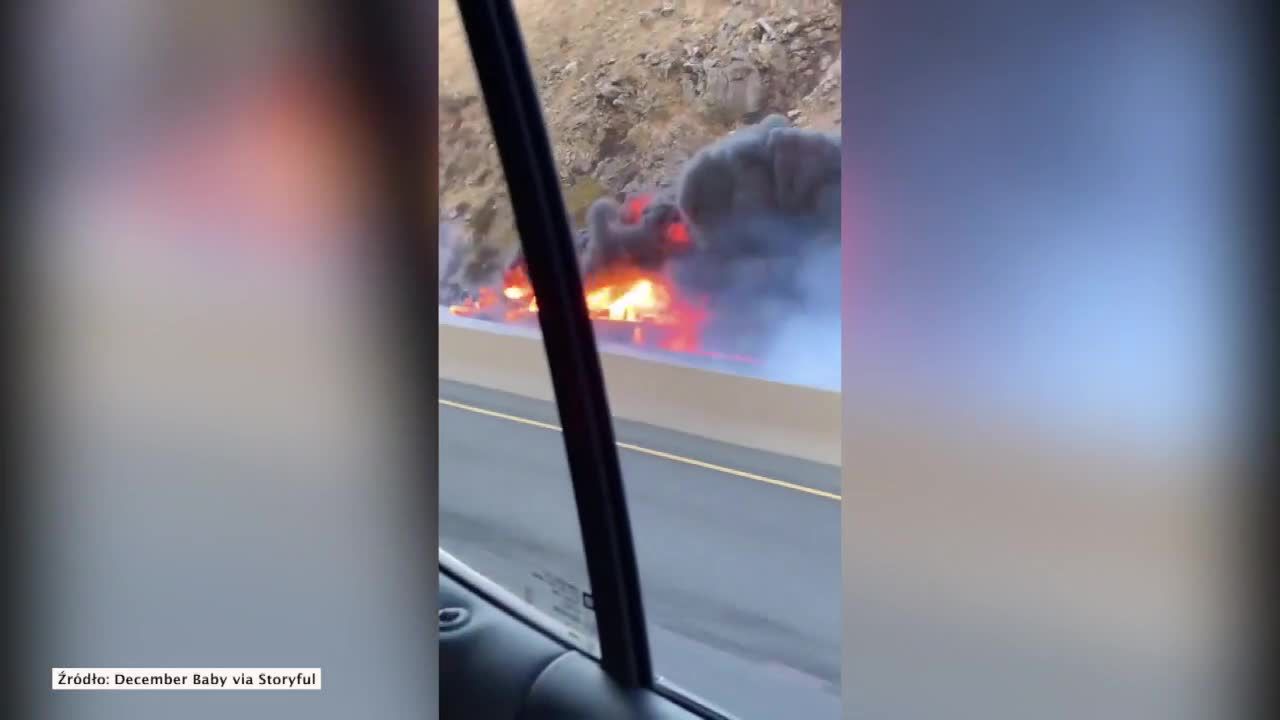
655,453
504,416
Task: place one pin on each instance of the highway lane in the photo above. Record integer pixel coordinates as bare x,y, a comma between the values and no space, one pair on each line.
739,550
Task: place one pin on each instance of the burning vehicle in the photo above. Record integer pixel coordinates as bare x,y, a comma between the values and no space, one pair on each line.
748,241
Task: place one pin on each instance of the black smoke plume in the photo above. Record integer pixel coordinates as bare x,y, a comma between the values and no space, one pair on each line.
763,209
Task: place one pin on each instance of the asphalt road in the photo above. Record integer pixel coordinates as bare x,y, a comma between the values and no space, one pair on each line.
739,550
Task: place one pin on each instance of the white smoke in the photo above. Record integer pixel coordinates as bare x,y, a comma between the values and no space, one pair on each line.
805,345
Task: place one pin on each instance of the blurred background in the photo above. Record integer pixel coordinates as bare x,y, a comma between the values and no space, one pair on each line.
1047,359
1047,364
220,449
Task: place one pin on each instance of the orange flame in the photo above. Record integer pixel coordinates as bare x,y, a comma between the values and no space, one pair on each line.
620,295
634,209
629,297
641,299
677,233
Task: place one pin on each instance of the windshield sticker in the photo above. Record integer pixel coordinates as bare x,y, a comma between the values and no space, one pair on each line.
564,601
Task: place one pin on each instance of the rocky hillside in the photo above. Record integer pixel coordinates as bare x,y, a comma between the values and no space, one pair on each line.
631,91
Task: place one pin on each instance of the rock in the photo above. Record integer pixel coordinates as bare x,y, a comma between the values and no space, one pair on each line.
833,71
734,17
640,135
616,172
689,89
770,58
667,9
734,91
608,91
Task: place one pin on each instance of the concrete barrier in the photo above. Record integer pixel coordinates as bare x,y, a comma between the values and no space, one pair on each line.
791,420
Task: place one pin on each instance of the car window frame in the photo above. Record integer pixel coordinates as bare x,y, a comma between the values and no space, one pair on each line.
546,237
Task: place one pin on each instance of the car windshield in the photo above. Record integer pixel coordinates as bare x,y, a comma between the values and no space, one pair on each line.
715,307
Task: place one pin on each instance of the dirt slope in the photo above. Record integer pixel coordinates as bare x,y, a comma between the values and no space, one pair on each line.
631,90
